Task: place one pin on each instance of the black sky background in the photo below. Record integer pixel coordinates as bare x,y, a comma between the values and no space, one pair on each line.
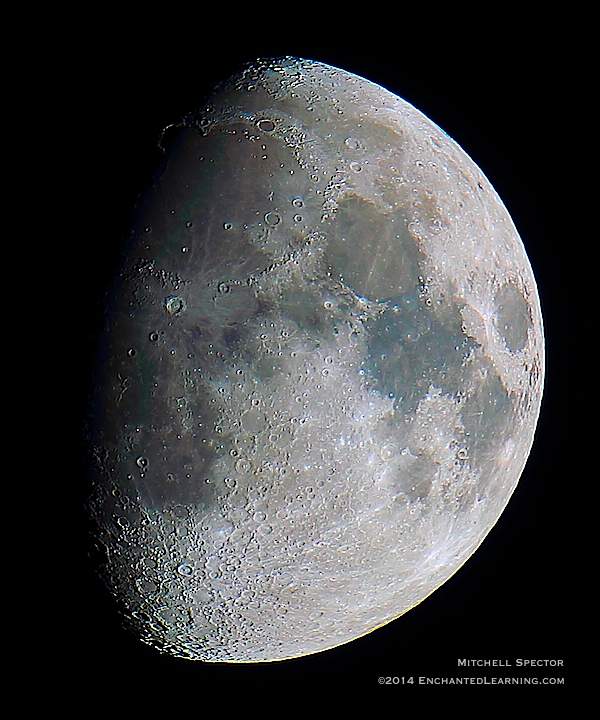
513,92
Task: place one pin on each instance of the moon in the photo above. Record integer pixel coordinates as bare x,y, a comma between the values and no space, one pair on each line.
320,371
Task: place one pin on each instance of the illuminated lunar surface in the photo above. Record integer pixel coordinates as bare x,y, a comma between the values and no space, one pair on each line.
320,373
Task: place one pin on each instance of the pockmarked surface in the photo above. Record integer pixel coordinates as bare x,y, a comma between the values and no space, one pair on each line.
320,372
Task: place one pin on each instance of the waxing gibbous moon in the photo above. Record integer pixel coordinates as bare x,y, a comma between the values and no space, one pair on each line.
320,371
